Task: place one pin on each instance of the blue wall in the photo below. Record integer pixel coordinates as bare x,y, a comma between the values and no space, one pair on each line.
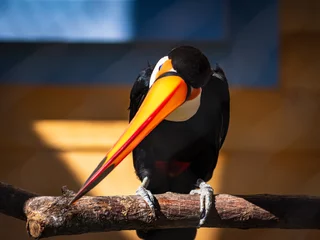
112,21
244,40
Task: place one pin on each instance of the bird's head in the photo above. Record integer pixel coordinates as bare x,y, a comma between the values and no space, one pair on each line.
188,62
176,80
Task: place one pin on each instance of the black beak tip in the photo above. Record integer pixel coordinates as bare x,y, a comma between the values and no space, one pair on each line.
74,199
72,202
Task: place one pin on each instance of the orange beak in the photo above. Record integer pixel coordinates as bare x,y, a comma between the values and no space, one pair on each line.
165,95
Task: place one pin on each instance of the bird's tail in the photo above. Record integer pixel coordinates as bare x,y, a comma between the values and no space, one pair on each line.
168,234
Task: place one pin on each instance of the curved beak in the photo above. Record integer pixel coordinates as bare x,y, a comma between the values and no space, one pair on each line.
165,95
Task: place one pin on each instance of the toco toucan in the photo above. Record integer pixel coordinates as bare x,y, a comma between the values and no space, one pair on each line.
178,120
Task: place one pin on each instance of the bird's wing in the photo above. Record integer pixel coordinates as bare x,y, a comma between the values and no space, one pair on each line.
225,103
139,90
225,122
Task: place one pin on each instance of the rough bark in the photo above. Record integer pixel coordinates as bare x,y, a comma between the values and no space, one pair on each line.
50,216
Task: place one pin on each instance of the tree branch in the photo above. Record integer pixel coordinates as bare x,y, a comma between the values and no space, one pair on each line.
50,216
12,200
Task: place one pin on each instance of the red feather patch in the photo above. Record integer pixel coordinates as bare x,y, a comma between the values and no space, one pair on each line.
173,168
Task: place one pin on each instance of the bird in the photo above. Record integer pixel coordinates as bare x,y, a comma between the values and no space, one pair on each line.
179,115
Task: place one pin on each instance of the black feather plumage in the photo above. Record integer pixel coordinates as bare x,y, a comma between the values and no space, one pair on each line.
194,143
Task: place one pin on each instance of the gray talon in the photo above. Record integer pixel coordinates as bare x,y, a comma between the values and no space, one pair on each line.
146,194
206,196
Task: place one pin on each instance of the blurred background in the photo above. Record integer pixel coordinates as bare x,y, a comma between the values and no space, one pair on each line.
67,67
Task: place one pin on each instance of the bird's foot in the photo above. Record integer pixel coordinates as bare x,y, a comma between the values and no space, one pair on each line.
206,198
147,195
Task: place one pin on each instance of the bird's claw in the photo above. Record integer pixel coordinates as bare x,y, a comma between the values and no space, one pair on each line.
206,196
147,196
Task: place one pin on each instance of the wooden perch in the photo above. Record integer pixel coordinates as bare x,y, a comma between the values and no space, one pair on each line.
12,201
50,216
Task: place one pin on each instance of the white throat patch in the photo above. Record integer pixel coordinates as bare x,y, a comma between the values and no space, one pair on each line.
185,111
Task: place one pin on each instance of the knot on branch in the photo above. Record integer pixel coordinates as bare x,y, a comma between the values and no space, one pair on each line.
67,192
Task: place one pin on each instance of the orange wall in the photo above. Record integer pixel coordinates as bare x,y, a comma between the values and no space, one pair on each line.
54,136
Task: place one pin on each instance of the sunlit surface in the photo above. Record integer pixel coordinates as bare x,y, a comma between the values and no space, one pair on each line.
79,135
82,145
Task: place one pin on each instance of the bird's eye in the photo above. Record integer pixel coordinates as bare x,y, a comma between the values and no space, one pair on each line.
160,67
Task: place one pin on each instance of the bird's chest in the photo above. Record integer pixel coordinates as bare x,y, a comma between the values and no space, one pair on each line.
173,148
171,168
170,140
